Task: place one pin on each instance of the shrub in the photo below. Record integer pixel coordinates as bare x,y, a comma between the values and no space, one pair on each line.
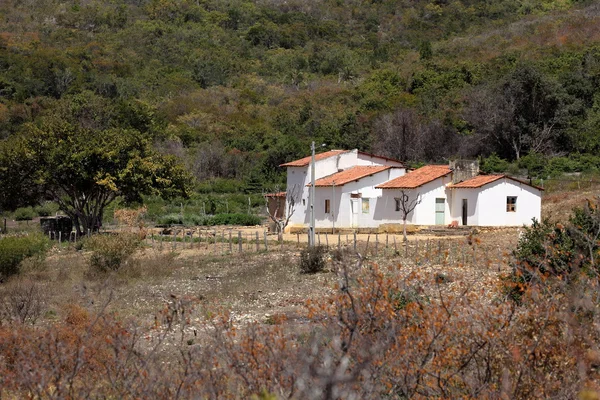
24,214
234,219
23,302
14,249
46,209
548,251
312,260
110,252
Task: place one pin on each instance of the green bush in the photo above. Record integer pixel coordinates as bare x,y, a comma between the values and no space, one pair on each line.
234,219
170,219
14,249
312,260
549,253
494,164
110,252
24,214
46,209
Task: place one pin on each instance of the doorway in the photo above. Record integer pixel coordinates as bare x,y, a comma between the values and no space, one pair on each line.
465,207
354,203
440,206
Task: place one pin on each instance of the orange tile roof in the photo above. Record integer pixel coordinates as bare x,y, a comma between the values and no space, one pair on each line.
303,162
417,178
482,180
350,175
477,181
278,194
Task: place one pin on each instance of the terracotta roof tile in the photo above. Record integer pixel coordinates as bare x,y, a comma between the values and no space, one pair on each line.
278,194
303,162
349,175
482,180
417,178
477,181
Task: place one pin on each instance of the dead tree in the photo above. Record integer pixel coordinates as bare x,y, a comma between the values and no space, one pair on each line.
281,217
405,205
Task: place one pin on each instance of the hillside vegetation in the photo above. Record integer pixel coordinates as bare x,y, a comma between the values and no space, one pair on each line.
236,87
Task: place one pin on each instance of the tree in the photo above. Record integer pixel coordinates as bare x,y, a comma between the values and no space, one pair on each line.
84,170
281,217
405,205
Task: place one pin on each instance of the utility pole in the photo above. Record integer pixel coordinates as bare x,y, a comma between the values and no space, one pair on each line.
333,208
311,228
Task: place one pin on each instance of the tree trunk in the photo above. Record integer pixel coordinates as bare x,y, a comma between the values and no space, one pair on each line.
404,231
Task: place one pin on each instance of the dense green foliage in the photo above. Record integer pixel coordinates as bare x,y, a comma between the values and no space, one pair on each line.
235,88
14,249
209,220
552,251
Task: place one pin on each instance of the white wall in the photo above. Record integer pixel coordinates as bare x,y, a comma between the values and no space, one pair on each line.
341,201
473,205
424,213
493,196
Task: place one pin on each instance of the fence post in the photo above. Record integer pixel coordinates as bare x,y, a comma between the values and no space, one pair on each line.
230,243
319,238
174,240
387,239
215,242
298,239
427,252
222,242
339,240
257,243
355,241
59,237
417,251
327,239
266,243
367,246
376,244
160,240
239,241
439,251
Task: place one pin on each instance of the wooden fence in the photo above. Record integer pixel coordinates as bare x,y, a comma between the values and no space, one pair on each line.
416,251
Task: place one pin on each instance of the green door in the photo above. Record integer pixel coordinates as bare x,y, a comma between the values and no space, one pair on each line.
440,206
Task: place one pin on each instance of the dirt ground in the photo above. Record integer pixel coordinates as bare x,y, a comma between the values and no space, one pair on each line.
254,286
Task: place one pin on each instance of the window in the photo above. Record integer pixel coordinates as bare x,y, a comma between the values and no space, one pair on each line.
365,205
511,204
327,206
398,204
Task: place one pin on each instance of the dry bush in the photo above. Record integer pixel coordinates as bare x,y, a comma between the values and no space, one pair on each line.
155,265
376,336
22,301
110,252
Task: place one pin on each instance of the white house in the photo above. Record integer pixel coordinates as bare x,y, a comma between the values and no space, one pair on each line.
428,186
360,190
338,199
495,200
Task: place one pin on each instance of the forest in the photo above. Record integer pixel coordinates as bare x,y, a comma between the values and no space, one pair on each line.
231,89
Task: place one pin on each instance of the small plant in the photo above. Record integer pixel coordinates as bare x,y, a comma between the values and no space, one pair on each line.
14,249
23,302
110,252
234,219
24,214
312,260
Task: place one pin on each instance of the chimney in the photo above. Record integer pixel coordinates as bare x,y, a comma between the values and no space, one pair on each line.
464,169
